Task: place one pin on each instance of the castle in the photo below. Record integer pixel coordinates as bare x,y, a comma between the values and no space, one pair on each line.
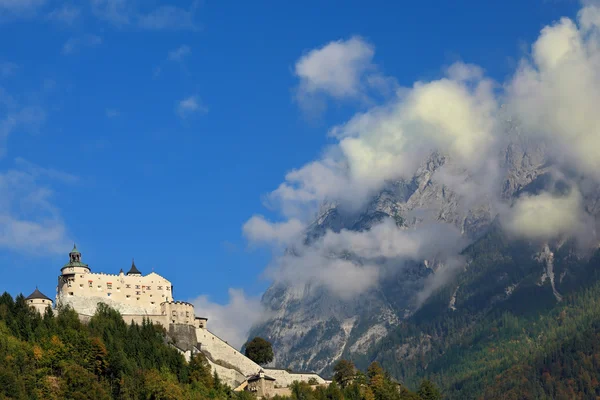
138,297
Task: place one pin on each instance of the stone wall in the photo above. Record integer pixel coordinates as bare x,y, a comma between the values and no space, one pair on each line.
218,349
184,336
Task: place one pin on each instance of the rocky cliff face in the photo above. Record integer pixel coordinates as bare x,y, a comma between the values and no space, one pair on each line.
311,329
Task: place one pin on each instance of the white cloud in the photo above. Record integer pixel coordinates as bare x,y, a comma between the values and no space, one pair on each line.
190,105
231,321
335,69
74,44
348,263
29,221
552,99
555,93
545,216
456,114
179,53
258,230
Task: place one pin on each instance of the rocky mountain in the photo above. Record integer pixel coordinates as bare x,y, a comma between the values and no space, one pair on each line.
311,328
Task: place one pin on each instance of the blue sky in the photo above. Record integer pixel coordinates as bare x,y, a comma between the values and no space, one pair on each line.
154,129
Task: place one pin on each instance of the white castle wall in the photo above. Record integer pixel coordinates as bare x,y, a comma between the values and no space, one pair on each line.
218,349
228,376
284,379
140,295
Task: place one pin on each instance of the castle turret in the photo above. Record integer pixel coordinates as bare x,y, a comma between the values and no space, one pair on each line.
39,301
75,266
133,270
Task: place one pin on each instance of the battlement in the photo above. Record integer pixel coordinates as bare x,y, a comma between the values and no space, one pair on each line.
178,302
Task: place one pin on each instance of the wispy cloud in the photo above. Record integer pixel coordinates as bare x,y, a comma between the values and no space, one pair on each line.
66,14
179,53
29,221
20,7
126,13
7,69
112,113
191,105
234,319
170,18
75,43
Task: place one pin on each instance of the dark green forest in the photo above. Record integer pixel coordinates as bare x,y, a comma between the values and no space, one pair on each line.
524,345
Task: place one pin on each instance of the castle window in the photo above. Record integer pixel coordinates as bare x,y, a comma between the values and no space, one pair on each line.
187,313
128,296
174,313
137,286
148,288
69,283
137,298
90,283
70,293
137,293
160,288
81,285
150,295
109,285
127,286
108,294
151,302
168,288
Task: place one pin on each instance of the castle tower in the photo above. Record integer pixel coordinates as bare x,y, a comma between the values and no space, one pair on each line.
69,270
39,301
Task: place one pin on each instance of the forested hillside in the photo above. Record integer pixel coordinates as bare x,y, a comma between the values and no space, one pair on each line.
507,335
61,358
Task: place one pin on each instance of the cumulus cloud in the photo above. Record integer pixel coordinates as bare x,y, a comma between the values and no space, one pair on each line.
233,320
342,70
258,230
545,215
455,113
551,99
335,69
554,93
190,105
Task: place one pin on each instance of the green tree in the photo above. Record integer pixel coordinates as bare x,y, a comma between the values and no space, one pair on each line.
259,350
428,391
343,372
